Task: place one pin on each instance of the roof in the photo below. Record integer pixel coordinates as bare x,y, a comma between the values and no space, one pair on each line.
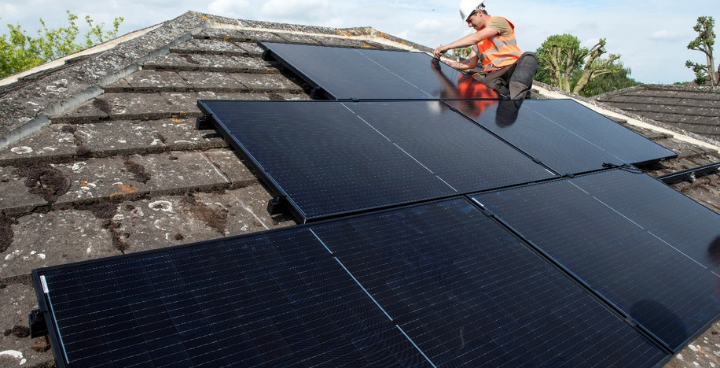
686,108
100,155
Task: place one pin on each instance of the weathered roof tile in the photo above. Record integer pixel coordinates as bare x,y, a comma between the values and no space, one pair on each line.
210,81
155,80
57,237
209,47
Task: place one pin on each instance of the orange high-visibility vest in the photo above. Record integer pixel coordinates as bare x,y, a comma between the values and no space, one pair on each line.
469,88
497,52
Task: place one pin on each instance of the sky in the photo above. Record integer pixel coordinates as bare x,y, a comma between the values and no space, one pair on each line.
650,35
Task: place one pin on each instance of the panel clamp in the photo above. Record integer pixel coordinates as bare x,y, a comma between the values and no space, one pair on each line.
277,206
38,327
203,123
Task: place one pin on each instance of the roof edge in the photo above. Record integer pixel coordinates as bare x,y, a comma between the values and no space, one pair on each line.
105,46
659,87
27,109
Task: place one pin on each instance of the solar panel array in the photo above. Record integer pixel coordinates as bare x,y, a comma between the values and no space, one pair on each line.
331,158
455,288
461,232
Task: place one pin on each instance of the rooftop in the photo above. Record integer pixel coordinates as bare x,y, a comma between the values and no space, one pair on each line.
100,156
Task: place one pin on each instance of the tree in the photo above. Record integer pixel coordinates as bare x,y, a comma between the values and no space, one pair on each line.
610,82
561,57
19,52
704,43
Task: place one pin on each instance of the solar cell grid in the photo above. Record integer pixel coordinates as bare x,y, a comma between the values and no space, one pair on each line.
593,226
240,301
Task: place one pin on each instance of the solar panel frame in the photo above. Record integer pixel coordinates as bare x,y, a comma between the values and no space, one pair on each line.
616,256
367,69
170,344
310,162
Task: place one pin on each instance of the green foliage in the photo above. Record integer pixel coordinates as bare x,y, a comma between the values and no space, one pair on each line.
564,64
704,43
462,52
558,57
609,82
19,52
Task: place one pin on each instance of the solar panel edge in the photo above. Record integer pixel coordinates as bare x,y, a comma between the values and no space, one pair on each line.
48,317
317,89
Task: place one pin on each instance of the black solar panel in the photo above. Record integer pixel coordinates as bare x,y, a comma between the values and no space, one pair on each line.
348,73
434,285
646,248
260,301
332,158
566,136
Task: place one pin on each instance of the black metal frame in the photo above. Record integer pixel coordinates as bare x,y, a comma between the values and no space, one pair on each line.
690,175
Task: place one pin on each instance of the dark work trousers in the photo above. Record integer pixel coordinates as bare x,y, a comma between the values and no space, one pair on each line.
513,81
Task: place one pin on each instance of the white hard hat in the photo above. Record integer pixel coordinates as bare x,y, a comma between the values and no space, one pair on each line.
467,7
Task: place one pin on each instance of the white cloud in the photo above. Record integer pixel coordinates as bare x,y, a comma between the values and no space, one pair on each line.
666,35
430,26
229,8
8,11
295,9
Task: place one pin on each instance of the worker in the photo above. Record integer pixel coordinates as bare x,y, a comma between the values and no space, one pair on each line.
495,59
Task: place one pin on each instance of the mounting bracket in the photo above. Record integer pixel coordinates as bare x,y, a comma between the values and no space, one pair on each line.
203,123
38,327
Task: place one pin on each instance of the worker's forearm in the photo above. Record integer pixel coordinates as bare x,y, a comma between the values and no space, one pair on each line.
469,40
461,65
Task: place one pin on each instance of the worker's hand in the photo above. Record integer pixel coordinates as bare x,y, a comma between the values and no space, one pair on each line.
439,52
435,63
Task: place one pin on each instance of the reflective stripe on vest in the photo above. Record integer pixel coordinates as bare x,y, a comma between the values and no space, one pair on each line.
498,51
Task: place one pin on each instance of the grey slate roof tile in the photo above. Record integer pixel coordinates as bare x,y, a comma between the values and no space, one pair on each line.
693,109
15,194
210,47
266,82
209,81
211,63
155,80
222,34
54,238
170,220
20,298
